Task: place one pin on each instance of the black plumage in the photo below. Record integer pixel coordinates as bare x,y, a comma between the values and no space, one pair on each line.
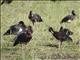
60,35
34,17
14,29
69,18
6,1
24,37
11,30
66,31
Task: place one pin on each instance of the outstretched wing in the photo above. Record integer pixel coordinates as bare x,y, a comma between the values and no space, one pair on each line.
11,30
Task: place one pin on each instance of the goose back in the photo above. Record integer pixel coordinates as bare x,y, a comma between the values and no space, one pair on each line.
60,35
69,18
23,37
14,29
34,17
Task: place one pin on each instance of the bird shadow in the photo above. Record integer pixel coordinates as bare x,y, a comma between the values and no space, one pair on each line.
50,45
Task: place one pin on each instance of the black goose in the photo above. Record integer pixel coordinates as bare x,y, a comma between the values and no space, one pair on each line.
66,31
60,36
24,37
34,17
14,29
6,1
69,18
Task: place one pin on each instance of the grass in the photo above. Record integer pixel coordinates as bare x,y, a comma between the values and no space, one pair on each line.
37,49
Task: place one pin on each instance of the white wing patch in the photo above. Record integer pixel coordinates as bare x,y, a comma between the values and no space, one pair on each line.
69,20
20,30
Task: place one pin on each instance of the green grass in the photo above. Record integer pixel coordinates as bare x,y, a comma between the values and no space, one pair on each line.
36,49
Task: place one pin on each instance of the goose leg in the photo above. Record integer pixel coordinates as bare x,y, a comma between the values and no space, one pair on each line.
33,22
60,43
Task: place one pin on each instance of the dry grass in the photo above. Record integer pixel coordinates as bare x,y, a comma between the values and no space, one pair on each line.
37,49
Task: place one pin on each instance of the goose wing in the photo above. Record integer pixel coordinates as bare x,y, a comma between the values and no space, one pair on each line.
37,17
11,30
66,18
